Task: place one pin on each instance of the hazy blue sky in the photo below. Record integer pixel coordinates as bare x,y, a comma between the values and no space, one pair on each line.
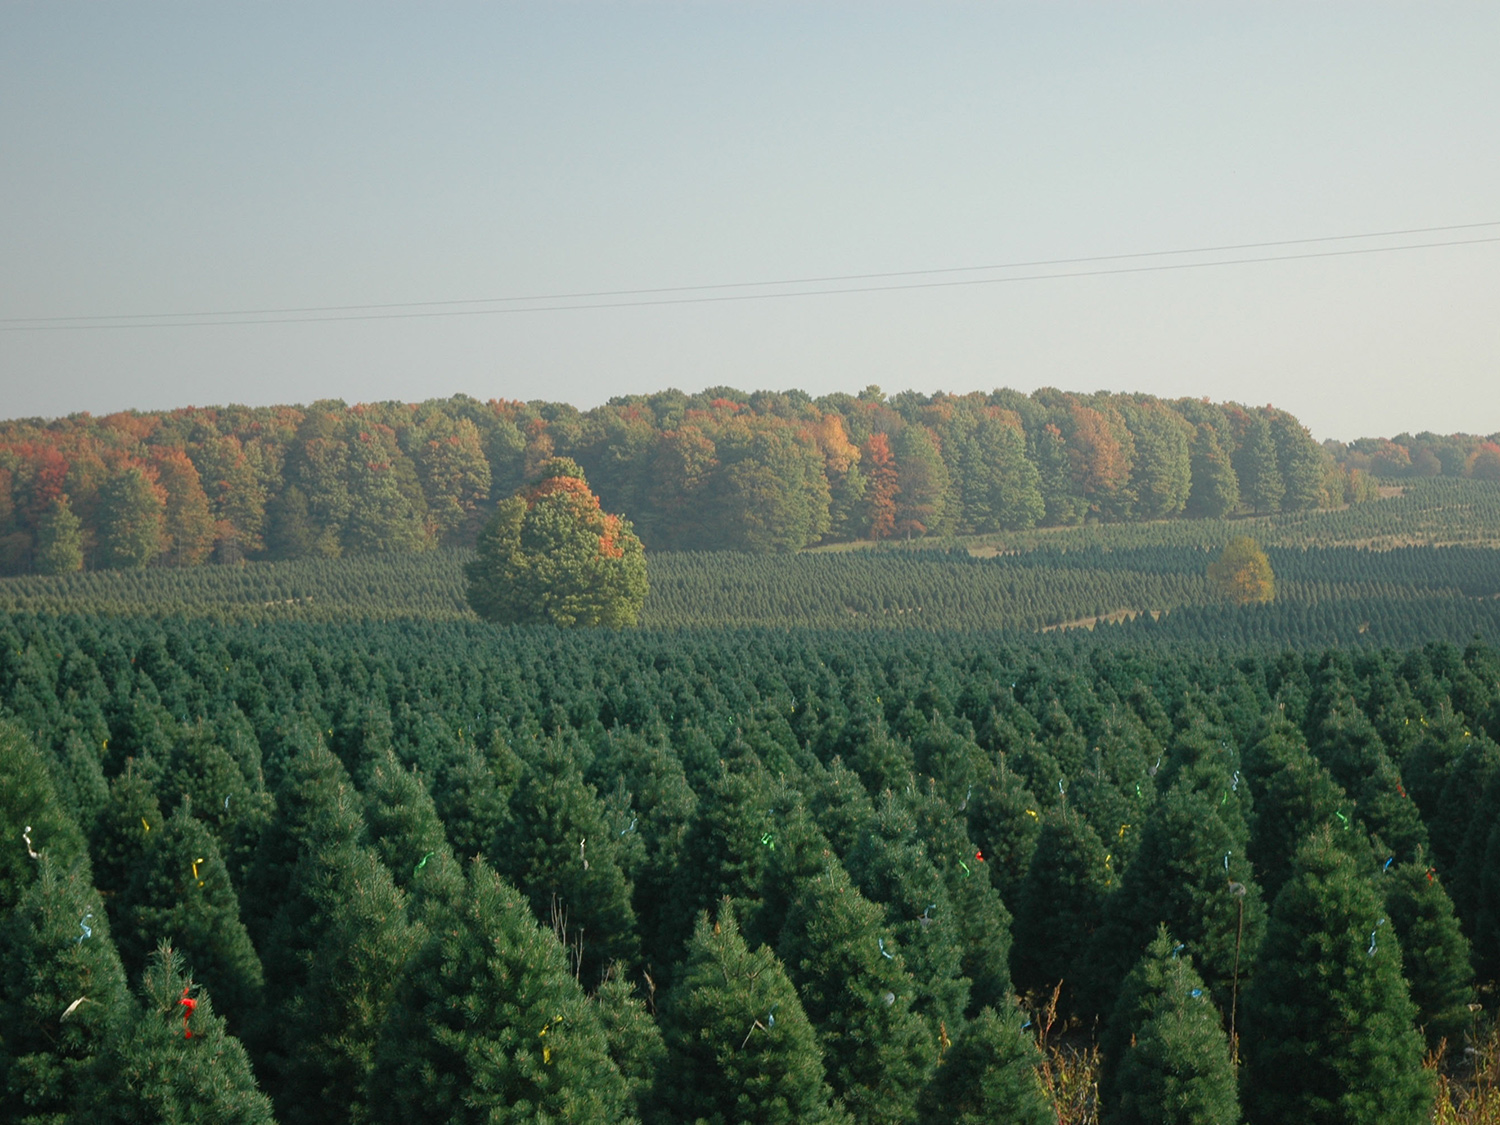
204,157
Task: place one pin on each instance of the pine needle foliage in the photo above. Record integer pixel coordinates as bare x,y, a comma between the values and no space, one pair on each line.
1327,1033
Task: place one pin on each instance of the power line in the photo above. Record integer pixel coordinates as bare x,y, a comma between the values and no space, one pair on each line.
437,309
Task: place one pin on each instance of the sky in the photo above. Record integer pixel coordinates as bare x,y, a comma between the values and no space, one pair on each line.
189,165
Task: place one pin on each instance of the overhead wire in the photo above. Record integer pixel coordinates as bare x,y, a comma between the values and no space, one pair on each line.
698,294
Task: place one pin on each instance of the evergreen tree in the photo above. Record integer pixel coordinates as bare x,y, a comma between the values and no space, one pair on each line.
173,1062
1294,796
488,1025
989,1075
1005,821
61,991
635,1043
1347,743
1327,1028
1434,951
983,922
739,1046
1215,489
317,808
561,853
1166,1056
403,825
1256,466
891,865
853,985
1192,875
1060,904
180,893
59,540
327,1020
32,820
125,824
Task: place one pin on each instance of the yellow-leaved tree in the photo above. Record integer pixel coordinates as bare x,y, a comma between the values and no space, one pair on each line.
1242,574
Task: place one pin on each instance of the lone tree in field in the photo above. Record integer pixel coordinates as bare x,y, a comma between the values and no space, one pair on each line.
1242,574
549,555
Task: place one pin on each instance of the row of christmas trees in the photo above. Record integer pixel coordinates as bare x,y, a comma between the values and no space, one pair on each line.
737,877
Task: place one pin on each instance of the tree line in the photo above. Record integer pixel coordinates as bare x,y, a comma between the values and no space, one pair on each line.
1422,456
445,872
720,470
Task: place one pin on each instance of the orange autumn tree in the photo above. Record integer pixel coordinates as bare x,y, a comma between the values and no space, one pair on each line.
881,494
550,555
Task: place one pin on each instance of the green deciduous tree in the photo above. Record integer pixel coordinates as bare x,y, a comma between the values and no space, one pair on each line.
1215,489
132,523
552,556
59,539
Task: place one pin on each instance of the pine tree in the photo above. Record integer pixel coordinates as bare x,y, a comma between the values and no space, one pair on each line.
851,978
173,1062
892,866
1215,489
1191,874
1327,1033
1166,1056
32,820
488,1025
59,540
1434,951
328,1022
1294,796
317,808
561,853
1347,743
1060,905
635,1043
180,893
62,989
739,1045
403,825
989,1075
983,922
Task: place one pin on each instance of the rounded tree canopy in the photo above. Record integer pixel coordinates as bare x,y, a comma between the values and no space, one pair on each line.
1242,574
550,555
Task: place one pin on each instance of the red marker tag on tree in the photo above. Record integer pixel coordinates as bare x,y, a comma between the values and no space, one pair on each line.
189,1006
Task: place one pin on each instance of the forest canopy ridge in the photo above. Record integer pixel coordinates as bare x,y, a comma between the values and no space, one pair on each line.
719,470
